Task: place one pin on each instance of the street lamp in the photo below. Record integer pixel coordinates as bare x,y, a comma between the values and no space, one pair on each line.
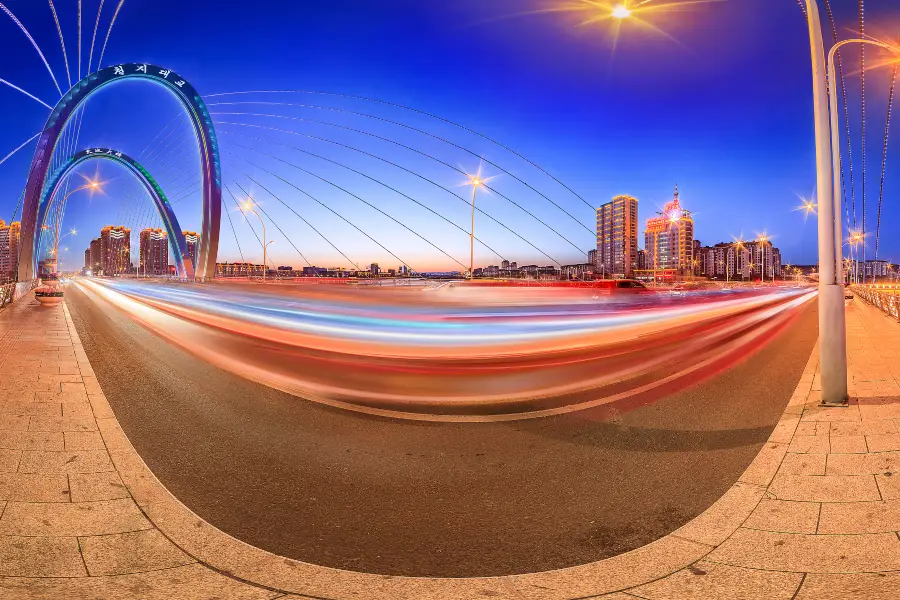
475,181
739,244
762,239
249,206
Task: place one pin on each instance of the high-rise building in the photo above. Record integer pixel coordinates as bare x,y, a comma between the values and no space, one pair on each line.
617,237
669,239
727,260
87,259
641,260
592,259
115,249
192,241
765,260
9,250
154,252
96,256
504,264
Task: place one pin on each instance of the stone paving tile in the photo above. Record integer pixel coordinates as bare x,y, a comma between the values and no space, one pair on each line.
32,409
706,580
192,582
864,428
765,465
9,460
810,444
83,440
40,557
784,516
714,525
652,561
800,553
827,488
132,552
34,487
803,464
848,444
62,424
74,461
888,485
863,517
883,443
72,518
31,440
858,586
89,487
14,422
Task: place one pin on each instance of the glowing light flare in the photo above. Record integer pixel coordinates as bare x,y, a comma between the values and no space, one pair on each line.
621,12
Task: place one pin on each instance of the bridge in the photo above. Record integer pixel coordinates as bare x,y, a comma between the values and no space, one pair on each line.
444,427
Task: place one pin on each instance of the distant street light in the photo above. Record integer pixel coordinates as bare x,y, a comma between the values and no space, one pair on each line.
248,206
621,12
762,239
475,181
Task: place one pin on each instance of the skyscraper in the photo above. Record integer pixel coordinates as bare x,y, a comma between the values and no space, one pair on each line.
192,241
9,249
617,237
96,256
115,249
154,252
669,239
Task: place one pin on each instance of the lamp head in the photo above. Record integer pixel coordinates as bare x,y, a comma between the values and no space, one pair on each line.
620,11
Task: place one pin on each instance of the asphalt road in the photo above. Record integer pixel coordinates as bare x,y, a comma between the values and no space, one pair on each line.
372,494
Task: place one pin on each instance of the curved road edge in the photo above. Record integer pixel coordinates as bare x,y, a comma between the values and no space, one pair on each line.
226,555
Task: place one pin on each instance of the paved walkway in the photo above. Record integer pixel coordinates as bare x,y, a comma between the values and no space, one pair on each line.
815,516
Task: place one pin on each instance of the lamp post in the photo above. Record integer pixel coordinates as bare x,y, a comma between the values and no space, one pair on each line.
475,181
246,207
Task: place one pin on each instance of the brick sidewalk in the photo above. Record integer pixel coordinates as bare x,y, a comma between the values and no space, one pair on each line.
69,528
815,516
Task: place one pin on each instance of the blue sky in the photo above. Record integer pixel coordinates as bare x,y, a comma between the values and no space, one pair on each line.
720,105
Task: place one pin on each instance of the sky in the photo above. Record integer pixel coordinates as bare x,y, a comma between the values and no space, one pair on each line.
713,97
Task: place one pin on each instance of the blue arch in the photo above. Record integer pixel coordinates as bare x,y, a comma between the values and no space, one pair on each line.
183,265
36,188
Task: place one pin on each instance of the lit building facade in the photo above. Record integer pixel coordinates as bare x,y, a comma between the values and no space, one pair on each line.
115,250
154,252
669,239
9,250
96,256
617,230
191,241
765,260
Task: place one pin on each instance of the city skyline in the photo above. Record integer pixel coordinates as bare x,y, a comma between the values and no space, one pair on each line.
597,161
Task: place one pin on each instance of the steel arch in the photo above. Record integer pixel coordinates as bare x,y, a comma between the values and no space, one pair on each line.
203,129
183,264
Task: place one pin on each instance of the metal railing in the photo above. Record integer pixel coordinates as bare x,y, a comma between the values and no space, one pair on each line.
7,294
885,297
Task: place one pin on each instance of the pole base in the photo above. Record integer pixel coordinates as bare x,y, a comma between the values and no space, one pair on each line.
843,404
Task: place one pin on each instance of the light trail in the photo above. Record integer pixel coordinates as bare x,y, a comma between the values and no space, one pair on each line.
464,352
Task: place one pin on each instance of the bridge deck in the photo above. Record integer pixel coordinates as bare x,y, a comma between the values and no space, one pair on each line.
816,515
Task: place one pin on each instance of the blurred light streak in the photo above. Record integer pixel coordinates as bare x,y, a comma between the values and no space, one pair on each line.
462,352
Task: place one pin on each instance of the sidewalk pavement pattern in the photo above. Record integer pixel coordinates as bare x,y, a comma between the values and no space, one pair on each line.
816,515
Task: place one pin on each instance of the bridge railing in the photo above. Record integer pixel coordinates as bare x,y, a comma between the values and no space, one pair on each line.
10,292
883,296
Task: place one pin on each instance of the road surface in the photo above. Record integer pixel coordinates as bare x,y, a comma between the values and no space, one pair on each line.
381,495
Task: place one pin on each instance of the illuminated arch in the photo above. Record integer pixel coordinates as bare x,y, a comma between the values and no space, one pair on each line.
183,264
203,129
